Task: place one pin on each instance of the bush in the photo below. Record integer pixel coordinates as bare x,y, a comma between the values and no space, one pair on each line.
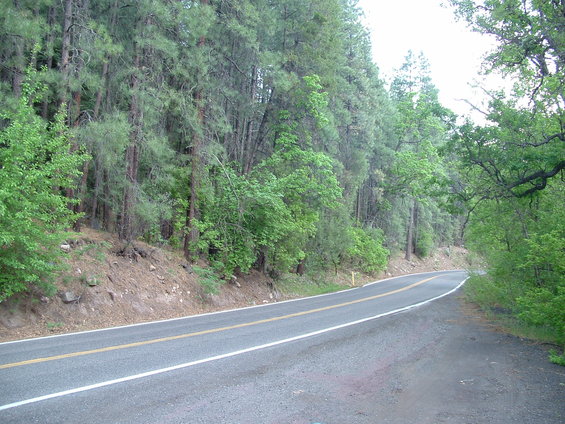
543,308
424,243
208,279
36,165
367,251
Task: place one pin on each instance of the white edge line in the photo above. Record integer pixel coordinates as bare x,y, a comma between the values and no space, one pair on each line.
219,312
223,356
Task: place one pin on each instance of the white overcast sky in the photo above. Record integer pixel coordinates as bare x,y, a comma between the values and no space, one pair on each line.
454,51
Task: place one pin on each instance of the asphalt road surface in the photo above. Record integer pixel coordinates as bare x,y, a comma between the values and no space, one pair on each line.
347,357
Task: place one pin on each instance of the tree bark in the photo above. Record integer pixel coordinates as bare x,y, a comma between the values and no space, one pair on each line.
95,194
192,236
106,211
410,232
125,228
50,42
65,49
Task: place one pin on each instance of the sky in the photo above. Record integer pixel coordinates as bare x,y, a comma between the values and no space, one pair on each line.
454,51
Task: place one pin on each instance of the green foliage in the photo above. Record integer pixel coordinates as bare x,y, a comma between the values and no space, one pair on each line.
270,213
486,292
272,209
367,250
522,242
544,307
297,285
35,166
328,247
424,242
557,358
93,250
418,173
208,279
270,118
510,166
54,325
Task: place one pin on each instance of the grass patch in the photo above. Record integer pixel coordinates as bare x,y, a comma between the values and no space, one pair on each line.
302,286
498,302
54,325
208,279
556,358
94,250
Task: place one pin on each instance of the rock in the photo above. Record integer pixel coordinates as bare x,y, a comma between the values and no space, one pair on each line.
13,319
66,248
92,281
78,271
69,297
44,299
141,252
112,295
160,277
233,280
152,268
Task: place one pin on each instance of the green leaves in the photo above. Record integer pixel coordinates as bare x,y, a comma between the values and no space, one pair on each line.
35,166
367,251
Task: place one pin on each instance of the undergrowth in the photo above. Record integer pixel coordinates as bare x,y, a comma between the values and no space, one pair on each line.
504,303
297,285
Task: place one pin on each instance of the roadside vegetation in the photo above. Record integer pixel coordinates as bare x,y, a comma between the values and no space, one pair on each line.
259,135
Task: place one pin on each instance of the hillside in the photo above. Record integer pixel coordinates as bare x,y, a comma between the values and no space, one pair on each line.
104,287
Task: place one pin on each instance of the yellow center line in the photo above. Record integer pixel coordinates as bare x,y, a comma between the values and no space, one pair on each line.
213,330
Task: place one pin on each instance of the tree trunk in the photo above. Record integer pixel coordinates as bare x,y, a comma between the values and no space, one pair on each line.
300,268
50,42
245,144
410,232
95,194
18,71
125,228
106,212
261,135
192,236
65,49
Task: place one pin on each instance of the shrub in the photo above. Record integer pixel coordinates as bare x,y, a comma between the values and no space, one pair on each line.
542,307
367,250
36,165
208,279
424,243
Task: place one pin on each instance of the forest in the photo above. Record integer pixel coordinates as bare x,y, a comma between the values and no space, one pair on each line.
258,134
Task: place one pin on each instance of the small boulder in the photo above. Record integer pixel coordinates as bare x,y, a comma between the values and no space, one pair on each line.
152,268
92,281
66,248
233,280
69,297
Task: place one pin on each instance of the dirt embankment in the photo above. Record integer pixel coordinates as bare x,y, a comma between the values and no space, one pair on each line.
107,285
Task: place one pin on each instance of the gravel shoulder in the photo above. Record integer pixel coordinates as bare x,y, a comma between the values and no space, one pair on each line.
470,372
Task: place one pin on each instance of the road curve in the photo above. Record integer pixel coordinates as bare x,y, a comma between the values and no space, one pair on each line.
41,374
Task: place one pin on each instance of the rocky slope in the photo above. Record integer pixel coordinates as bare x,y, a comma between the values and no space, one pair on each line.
107,283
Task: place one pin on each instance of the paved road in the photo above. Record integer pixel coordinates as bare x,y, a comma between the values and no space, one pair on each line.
175,371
